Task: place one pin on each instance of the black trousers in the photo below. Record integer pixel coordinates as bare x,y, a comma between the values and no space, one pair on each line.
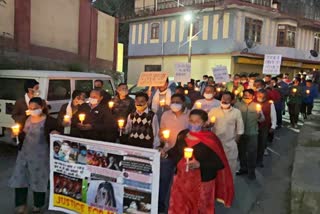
306,108
262,143
247,148
21,197
294,110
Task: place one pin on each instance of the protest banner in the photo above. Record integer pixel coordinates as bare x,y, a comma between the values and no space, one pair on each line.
272,64
220,74
89,177
182,72
152,79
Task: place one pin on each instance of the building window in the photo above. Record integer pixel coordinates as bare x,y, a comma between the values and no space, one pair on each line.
195,29
253,29
155,30
286,36
317,42
152,68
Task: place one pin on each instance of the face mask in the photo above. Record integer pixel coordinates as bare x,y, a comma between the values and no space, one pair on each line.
163,92
251,81
194,128
80,102
93,101
246,100
225,106
260,100
35,112
141,108
243,81
208,96
205,80
36,93
175,107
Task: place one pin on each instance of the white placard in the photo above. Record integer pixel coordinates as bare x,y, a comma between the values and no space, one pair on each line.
182,72
220,74
88,176
272,64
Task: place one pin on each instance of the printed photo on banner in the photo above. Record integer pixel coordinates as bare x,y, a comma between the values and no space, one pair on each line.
105,195
136,201
69,152
104,160
68,186
220,74
272,64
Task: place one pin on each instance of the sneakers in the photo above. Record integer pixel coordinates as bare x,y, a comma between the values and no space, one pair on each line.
242,172
266,153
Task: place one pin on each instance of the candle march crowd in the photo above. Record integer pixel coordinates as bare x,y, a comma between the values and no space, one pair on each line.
201,131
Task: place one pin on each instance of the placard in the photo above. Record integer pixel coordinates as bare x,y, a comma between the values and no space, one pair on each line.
88,177
272,64
220,74
152,79
182,72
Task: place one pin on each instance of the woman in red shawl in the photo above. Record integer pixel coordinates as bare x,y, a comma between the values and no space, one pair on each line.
209,177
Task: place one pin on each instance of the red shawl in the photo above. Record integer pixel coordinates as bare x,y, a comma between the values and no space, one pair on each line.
224,180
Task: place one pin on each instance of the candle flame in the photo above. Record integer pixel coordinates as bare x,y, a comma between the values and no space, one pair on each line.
111,104
166,134
188,152
121,123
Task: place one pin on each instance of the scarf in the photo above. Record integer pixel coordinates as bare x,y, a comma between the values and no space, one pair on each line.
156,99
69,109
224,181
27,99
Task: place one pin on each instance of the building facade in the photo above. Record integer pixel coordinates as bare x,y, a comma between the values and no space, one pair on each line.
233,33
65,32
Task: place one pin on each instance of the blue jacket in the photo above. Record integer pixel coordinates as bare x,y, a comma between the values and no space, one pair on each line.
309,99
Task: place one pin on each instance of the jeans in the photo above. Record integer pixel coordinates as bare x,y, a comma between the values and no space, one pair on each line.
248,152
294,110
167,170
262,143
306,108
21,195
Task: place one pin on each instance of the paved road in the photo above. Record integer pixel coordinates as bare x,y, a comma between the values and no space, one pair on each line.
275,191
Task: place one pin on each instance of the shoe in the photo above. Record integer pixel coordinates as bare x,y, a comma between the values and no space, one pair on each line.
252,176
36,210
21,209
242,172
266,153
295,126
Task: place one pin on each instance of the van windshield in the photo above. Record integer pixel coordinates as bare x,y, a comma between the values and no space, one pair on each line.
11,89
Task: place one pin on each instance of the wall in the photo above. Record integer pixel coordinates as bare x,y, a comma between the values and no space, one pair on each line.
7,17
105,36
63,23
200,65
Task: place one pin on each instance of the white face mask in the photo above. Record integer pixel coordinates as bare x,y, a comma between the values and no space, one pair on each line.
93,101
36,93
175,107
35,112
208,96
225,106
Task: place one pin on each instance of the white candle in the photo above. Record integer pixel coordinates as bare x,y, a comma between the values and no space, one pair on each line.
82,117
188,152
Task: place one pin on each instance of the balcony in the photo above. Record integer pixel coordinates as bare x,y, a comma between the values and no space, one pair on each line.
265,3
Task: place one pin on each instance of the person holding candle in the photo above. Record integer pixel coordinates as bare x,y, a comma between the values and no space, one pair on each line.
228,126
192,93
19,112
208,177
161,100
142,125
311,93
174,120
235,86
294,102
248,143
180,90
209,102
98,84
204,83
32,165
98,124
123,104
266,127
244,81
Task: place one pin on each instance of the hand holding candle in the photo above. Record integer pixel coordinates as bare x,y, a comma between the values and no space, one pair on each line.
236,92
188,152
186,92
213,119
162,103
294,90
307,92
218,89
110,104
198,105
121,125
15,131
258,108
166,134
66,120
82,117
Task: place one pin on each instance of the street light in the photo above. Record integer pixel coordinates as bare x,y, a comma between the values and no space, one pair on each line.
188,18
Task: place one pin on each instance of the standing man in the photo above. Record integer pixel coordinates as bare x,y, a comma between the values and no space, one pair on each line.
180,90
175,120
161,100
294,102
209,102
235,87
19,112
142,125
123,104
98,84
267,126
192,93
283,88
311,92
99,123
228,127
204,83
249,140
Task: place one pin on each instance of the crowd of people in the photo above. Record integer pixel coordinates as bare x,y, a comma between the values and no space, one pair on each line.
222,122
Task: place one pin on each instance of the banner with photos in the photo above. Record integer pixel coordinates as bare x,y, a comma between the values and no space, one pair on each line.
88,176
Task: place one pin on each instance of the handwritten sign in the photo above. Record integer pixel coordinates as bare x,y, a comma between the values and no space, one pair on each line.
220,74
183,72
272,64
152,79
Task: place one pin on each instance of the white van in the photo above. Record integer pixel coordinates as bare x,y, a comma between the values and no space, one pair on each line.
55,87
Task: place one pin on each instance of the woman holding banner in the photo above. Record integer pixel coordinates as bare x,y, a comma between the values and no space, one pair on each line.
32,164
203,178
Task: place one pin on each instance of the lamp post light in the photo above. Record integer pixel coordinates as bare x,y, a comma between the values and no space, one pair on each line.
188,18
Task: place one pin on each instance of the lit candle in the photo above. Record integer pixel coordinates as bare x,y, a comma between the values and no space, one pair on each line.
198,105
197,89
258,107
213,119
166,134
66,119
28,112
236,92
15,131
188,152
121,125
308,91
271,101
111,104
82,117
186,92
241,94
218,89
294,90
162,103
224,83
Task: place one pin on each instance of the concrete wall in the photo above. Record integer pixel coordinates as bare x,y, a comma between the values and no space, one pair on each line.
105,37
7,17
55,26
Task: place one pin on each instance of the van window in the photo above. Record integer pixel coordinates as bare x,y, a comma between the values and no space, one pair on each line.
11,89
107,86
84,85
59,90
